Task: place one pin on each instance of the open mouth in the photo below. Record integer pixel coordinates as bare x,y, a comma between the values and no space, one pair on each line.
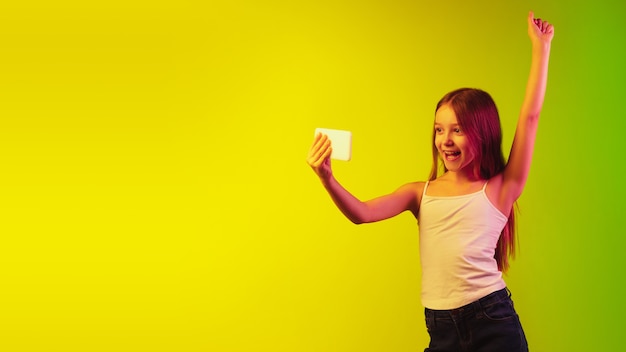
451,155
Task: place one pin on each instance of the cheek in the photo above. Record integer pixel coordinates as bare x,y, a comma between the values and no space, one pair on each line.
438,142
467,150
462,144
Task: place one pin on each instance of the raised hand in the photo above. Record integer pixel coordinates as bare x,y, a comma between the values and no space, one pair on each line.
319,156
539,31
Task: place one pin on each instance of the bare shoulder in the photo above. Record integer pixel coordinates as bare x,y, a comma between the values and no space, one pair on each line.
412,188
419,189
415,191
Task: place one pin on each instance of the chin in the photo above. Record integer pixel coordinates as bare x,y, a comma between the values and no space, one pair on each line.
457,167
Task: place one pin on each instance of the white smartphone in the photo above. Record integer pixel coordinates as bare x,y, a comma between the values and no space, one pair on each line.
341,142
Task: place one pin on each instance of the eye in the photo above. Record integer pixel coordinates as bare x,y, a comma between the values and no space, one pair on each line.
457,130
438,129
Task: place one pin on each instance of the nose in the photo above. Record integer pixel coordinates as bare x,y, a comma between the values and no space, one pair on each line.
447,140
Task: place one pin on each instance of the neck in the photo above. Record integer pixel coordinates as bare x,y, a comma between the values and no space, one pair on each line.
464,176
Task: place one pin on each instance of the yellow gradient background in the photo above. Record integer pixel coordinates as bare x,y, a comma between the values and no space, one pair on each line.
154,194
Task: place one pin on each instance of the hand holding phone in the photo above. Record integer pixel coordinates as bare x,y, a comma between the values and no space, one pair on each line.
341,142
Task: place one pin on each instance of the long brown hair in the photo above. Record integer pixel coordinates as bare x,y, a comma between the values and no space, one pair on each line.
477,114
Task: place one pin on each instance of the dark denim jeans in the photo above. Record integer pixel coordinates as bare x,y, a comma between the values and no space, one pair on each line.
489,324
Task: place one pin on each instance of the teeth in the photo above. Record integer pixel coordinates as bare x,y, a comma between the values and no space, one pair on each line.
451,155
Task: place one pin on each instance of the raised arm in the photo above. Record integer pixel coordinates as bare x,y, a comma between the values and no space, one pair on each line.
357,211
518,166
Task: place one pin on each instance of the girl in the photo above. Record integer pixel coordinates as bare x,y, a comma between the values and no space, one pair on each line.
465,214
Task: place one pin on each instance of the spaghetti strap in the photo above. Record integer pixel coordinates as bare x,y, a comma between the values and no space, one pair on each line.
425,186
485,185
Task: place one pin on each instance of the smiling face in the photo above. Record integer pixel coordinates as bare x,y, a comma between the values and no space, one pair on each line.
467,135
451,143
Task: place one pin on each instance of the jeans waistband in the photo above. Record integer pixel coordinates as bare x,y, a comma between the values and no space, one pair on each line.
495,297
471,308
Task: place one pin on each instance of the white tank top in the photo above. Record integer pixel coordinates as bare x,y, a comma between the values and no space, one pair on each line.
458,238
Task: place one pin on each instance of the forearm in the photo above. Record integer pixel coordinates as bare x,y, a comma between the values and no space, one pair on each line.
349,205
537,81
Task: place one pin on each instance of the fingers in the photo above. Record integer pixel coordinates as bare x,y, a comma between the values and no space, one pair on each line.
326,155
321,146
543,26
540,24
532,20
320,150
